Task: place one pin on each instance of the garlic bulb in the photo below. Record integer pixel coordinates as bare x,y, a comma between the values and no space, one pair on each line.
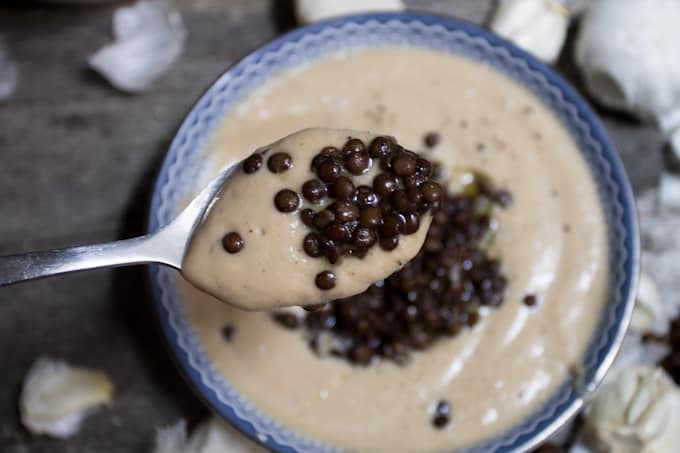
537,26
211,436
312,10
56,397
649,314
149,38
627,52
636,412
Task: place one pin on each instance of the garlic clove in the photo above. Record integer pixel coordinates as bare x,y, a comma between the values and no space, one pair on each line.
537,26
149,38
653,418
308,11
638,411
627,53
56,397
649,314
639,402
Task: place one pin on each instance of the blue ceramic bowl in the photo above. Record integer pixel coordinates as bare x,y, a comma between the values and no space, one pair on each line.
183,165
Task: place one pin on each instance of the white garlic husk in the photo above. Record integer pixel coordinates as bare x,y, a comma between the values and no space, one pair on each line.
9,72
171,439
537,26
56,397
638,411
669,190
309,11
216,436
649,315
149,38
628,55
211,436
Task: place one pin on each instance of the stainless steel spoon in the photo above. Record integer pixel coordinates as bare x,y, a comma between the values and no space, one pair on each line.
166,246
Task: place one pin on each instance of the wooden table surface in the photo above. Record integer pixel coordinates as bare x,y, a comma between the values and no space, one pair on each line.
77,160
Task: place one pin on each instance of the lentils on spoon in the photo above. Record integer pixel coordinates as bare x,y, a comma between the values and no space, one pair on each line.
319,215
355,220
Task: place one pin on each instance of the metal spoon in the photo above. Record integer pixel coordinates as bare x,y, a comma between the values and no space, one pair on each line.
166,246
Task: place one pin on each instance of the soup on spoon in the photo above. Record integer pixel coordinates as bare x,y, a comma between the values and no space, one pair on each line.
318,215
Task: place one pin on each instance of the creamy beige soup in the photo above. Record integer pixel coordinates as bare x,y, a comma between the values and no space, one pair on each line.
552,242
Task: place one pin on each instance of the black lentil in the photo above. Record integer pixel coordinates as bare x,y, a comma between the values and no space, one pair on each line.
314,190
343,188
325,280
312,245
252,163
431,139
228,332
380,146
279,162
287,200
530,300
233,242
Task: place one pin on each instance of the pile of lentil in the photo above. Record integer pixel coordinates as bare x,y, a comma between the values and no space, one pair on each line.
356,218
346,220
437,294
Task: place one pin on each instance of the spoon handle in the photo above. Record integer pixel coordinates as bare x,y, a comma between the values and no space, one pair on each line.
165,246
32,265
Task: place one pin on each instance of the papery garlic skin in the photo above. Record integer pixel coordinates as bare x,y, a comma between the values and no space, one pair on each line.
628,54
308,11
649,314
211,436
215,436
638,411
172,439
149,38
537,26
57,397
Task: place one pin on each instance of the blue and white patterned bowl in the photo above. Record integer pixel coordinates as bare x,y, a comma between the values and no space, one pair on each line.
183,165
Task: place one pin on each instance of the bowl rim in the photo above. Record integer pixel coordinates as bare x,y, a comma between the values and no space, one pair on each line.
625,197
